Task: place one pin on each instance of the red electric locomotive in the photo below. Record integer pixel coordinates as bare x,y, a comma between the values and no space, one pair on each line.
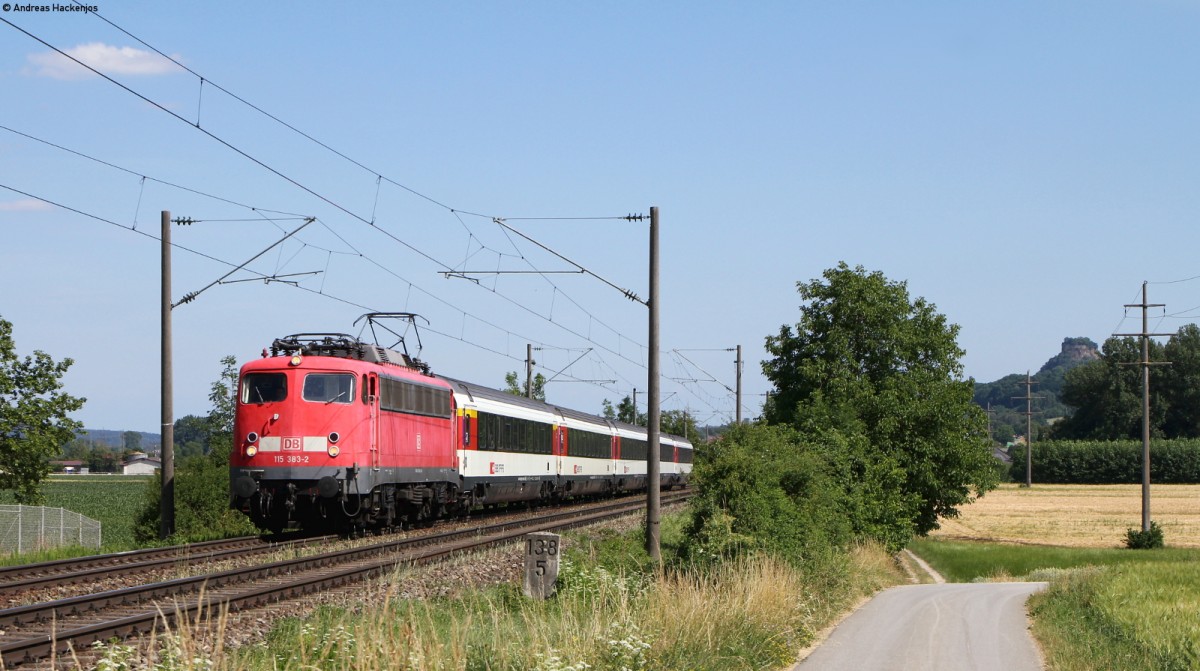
332,433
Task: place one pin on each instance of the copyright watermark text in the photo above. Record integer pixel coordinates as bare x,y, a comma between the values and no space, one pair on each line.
53,7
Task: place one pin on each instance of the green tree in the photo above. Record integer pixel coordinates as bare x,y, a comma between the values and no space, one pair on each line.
132,441
518,389
866,360
1180,383
760,488
223,396
192,435
1107,395
679,423
102,459
202,480
77,449
624,412
34,417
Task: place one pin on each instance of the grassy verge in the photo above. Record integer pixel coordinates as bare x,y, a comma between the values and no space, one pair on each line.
1105,608
1138,616
965,561
612,612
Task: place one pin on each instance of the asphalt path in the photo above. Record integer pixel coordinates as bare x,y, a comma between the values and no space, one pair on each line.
947,627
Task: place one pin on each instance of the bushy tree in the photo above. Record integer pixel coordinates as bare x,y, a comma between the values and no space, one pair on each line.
869,363
539,386
1180,384
1107,395
34,417
625,411
202,480
678,423
132,441
223,396
192,435
759,488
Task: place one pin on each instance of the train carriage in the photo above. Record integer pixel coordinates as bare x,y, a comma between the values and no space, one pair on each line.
333,433
587,459
675,461
509,445
630,452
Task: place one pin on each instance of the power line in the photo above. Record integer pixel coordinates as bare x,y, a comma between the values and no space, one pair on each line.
379,178
293,181
236,267
144,177
259,210
627,293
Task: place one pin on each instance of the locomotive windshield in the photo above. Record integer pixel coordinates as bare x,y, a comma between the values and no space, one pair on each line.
264,387
329,387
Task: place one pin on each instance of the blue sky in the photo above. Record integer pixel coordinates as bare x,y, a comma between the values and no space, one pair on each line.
1025,166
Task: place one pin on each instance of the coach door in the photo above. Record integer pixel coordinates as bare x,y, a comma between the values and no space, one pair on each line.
372,392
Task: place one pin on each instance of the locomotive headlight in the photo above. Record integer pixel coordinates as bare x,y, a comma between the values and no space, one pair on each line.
252,437
251,450
334,450
296,360
334,437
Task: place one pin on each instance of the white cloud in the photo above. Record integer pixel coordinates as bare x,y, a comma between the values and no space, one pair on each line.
103,57
25,205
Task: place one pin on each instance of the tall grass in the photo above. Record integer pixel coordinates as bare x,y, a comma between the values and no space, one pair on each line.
610,613
1138,616
753,613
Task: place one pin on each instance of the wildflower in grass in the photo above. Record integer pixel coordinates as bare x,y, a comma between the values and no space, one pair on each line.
552,662
627,648
114,656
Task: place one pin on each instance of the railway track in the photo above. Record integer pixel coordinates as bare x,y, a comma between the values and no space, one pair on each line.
56,628
24,578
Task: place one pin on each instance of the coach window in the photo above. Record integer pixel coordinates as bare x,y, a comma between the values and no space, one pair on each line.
329,387
264,387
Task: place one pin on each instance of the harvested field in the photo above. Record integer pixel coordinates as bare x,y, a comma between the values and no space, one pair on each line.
1077,515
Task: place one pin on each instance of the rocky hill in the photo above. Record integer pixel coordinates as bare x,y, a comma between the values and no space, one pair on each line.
1006,395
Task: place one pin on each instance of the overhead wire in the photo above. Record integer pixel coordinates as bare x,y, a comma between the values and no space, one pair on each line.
378,175
145,177
379,178
260,275
280,174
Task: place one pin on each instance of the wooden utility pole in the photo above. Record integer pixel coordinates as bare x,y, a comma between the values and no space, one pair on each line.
166,521
1145,363
653,412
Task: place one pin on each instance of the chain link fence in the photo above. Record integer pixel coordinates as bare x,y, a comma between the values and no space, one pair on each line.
28,528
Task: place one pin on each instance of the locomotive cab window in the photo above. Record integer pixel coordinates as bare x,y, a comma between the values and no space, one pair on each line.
329,387
264,387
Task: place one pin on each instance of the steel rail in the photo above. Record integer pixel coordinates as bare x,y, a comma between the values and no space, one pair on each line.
18,572
77,573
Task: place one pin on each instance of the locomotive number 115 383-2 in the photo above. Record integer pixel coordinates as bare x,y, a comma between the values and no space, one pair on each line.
291,459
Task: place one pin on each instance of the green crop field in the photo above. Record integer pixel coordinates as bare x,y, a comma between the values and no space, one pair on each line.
113,500
1107,607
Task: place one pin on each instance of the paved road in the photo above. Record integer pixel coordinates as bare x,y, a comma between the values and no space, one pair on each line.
950,627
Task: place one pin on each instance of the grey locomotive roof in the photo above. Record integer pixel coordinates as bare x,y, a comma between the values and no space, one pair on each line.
479,391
